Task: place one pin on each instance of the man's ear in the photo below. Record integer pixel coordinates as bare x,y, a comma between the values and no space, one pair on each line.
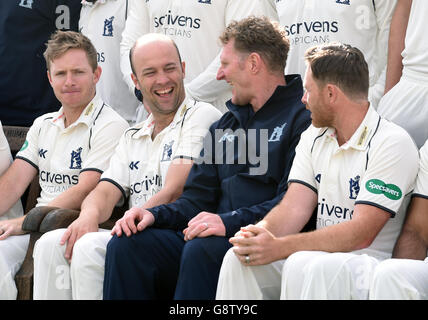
135,80
254,62
183,68
97,74
332,92
49,77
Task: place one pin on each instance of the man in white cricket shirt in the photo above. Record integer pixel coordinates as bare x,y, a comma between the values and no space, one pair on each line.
103,22
355,168
361,23
406,276
150,165
69,149
195,26
406,101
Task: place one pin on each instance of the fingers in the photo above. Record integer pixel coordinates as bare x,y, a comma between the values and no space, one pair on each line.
196,230
248,259
5,232
147,220
70,245
126,224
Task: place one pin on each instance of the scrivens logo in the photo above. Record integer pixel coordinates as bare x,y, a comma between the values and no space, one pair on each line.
312,27
311,32
57,182
329,214
145,185
177,25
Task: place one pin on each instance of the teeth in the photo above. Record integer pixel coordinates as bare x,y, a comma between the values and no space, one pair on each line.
165,91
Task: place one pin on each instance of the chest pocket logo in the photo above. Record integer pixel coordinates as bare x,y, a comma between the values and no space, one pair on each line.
277,133
76,159
167,151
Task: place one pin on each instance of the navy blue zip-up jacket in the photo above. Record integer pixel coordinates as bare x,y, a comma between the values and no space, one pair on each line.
231,184
25,27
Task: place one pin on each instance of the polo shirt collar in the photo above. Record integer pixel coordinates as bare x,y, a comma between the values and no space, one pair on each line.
362,136
147,126
87,117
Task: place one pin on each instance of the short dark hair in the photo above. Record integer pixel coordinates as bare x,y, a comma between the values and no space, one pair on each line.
341,65
62,41
260,35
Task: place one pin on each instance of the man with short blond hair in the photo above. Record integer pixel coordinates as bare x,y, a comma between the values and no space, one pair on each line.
69,149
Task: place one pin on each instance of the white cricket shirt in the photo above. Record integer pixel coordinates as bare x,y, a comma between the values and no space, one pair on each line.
103,23
361,23
139,165
60,154
377,166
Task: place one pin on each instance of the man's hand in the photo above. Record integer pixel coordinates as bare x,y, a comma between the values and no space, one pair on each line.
205,224
134,220
11,227
254,245
75,231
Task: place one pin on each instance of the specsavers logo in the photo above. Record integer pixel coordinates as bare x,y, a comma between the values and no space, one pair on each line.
391,191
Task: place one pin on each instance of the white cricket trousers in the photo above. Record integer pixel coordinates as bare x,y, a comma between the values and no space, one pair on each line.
57,279
303,275
12,254
400,279
406,104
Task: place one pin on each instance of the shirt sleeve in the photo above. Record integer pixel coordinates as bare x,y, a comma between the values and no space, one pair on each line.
136,25
391,172
102,145
30,149
302,170
421,189
195,128
201,192
118,170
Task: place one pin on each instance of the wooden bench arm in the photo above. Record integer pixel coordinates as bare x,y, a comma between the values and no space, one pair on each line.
59,218
34,218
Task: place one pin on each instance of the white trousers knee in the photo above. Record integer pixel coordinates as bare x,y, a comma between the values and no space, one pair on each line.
240,282
56,278
12,254
320,275
400,279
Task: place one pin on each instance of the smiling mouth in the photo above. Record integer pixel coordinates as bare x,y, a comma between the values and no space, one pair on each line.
164,92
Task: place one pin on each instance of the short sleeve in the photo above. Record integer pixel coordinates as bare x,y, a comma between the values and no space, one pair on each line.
102,146
302,169
118,170
391,172
195,127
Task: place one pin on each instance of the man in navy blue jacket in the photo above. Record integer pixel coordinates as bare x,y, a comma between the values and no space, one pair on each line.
176,250
25,27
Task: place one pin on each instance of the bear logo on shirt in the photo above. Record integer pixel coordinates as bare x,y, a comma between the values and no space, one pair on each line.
167,151
108,27
354,187
76,159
